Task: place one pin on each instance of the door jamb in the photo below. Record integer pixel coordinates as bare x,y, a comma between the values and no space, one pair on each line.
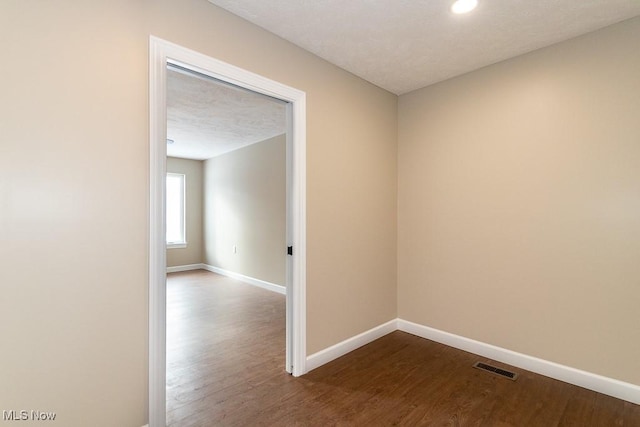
161,53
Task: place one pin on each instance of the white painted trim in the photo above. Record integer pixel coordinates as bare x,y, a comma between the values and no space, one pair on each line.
604,385
241,277
187,267
246,279
181,245
162,53
157,236
331,353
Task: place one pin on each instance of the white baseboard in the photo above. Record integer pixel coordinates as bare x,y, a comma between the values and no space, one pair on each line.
188,267
246,279
328,354
604,385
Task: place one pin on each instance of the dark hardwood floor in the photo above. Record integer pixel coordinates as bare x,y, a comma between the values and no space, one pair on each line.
225,367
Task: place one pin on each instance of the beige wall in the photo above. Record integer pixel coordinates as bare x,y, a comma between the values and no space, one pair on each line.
245,206
519,214
74,192
193,253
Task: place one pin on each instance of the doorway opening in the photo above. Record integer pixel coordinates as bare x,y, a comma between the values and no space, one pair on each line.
162,55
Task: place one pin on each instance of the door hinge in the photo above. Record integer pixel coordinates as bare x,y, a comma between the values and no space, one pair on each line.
289,250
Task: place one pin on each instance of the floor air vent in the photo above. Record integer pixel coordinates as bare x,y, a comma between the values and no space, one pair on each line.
497,371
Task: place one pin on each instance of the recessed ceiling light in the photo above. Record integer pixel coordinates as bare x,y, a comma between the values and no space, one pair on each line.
463,6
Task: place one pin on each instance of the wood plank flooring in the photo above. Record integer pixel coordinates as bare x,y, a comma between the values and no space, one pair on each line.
225,367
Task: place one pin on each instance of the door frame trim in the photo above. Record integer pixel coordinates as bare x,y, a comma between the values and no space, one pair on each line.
161,53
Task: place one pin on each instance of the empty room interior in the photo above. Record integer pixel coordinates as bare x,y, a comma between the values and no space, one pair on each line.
469,192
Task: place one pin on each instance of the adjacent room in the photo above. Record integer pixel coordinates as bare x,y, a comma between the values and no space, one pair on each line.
225,238
471,214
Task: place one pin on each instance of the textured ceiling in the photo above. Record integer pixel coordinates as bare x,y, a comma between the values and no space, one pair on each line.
403,45
206,118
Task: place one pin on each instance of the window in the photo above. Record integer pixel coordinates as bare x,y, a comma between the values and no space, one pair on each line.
175,208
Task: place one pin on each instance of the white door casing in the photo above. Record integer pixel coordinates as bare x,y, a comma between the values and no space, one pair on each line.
162,53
